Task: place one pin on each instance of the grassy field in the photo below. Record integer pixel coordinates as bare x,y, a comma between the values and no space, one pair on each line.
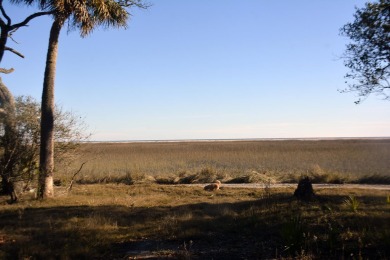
334,161
123,204
151,221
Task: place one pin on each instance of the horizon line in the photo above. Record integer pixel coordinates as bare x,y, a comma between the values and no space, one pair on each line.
239,139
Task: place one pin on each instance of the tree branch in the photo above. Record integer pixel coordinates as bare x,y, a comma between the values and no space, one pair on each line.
29,18
11,33
5,71
14,51
4,13
74,175
3,25
137,3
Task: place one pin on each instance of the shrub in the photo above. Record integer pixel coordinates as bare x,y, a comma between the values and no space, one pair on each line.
352,203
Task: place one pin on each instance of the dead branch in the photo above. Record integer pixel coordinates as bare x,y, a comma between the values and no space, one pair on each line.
5,71
74,175
29,18
11,33
5,14
14,51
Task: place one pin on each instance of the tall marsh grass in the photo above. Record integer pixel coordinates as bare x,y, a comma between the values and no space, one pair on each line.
326,161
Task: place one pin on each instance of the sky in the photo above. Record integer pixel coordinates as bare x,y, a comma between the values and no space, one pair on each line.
197,69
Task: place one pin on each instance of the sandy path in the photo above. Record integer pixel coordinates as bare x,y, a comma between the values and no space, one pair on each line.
287,185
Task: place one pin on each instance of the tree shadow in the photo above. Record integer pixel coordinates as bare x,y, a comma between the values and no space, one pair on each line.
239,230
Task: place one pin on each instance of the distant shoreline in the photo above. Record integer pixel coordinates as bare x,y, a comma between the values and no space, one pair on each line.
243,140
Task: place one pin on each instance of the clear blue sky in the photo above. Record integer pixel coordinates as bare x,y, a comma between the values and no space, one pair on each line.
205,69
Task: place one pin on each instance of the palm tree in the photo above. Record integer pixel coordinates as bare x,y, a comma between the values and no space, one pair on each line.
84,15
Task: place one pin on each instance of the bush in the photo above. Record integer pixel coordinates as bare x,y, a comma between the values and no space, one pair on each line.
21,142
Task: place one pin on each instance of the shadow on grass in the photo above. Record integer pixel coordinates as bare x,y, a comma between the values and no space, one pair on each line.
270,227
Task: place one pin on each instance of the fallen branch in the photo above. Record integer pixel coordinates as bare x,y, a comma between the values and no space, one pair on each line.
74,175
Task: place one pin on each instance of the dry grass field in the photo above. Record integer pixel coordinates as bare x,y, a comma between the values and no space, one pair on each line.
151,221
123,204
326,161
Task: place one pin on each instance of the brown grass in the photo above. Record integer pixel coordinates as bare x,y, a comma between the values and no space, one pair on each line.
128,215
126,221
330,161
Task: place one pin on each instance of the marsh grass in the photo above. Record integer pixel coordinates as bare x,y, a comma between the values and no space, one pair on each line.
114,221
330,161
126,208
373,179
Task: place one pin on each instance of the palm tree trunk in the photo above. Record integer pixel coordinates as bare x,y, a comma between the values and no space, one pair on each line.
46,160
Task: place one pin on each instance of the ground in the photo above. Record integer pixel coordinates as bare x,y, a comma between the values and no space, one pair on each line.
185,222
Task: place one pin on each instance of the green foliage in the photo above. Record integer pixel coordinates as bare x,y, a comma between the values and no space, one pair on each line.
368,56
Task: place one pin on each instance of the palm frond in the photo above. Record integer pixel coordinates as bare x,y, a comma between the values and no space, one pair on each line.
85,15
44,5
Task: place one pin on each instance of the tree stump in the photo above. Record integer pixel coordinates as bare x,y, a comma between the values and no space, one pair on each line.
304,190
